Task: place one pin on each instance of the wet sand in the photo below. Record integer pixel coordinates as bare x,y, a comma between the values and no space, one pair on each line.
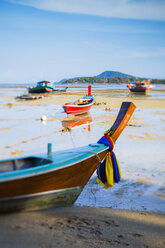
90,226
82,227
110,101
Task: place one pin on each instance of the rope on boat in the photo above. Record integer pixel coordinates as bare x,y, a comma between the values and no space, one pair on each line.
97,155
74,145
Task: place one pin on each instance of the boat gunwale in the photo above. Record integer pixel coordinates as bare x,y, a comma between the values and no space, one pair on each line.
42,169
76,105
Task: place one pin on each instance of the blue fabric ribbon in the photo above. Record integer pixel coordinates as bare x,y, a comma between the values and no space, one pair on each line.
101,170
106,142
115,168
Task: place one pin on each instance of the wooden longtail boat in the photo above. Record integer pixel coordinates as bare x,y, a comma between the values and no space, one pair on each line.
56,179
41,87
139,86
81,105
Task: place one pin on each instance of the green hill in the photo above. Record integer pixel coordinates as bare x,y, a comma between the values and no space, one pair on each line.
107,77
96,80
114,74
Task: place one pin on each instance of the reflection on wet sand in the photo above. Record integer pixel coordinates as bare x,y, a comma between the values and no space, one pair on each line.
139,94
74,121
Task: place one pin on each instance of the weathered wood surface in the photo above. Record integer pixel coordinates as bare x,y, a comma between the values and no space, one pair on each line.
71,176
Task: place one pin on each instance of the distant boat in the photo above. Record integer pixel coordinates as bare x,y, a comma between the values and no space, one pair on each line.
80,106
41,87
56,179
60,90
139,86
29,97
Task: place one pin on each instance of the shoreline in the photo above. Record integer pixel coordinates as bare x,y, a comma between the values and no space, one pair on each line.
82,86
101,96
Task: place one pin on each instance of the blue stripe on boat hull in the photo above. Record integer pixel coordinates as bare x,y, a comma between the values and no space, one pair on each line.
59,198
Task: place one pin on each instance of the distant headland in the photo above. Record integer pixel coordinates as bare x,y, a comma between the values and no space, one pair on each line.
107,77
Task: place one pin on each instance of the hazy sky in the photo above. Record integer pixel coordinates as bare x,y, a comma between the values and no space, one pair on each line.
56,39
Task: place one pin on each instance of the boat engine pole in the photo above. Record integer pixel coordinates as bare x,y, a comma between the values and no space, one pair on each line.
49,149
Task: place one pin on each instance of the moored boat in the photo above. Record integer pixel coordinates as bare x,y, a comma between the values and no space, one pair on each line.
56,179
60,90
80,106
139,86
41,87
29,97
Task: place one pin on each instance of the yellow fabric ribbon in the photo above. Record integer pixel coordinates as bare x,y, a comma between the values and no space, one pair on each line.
109,171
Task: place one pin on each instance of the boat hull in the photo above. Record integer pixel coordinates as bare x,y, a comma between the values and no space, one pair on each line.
143,90
57,187
55,199
40,90
78,108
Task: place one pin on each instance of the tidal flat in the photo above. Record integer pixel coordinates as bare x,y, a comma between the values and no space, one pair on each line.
140,148
129,214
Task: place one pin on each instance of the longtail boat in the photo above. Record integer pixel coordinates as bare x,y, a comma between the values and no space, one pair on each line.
60,90
80,106
56,179
41,87
139,86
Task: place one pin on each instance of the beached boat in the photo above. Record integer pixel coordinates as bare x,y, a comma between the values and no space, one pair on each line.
139,86
41,87
29,97
56,179
80,106
60,90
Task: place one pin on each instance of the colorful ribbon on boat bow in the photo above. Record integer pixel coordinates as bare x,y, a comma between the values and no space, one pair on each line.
108,171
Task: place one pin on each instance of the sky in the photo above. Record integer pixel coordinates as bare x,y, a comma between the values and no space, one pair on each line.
57,39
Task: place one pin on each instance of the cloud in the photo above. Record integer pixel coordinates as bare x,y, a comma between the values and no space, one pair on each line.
131,9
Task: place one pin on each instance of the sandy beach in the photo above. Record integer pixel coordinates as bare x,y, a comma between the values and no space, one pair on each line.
131,214
82,227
